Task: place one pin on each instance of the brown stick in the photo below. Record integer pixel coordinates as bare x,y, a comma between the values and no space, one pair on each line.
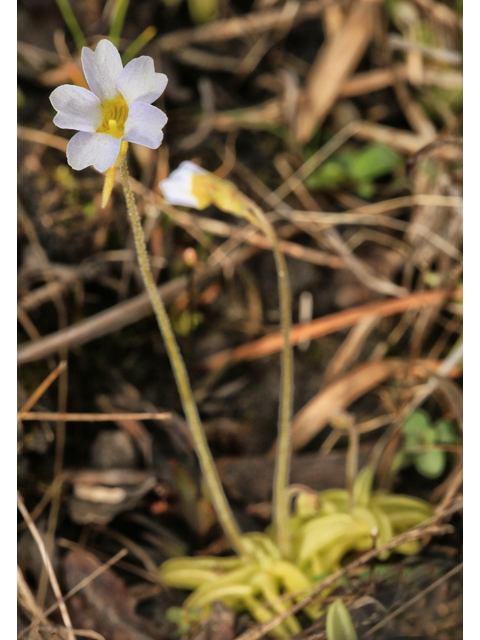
121,315
335,322
93,417
335,61
249,24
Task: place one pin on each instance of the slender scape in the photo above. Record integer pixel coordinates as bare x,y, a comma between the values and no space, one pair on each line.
207,464
282,464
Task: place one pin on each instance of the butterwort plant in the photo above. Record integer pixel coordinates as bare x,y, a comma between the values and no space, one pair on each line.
115,111
311,540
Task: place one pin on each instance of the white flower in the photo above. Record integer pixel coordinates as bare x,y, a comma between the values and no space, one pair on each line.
192,186
177,189
118,108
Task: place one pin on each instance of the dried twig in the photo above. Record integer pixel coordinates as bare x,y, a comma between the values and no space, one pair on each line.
81,585
121,315
336,59
38,393
94,417
48,565
415,599
334,322
240,27
41,137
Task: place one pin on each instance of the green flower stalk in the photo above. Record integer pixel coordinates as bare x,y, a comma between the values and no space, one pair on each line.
324,528
212,480
192,186
284,447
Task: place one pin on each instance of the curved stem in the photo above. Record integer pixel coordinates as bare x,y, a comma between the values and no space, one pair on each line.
212,480
282,462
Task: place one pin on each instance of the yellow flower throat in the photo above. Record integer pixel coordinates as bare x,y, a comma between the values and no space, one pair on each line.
209,189
114,116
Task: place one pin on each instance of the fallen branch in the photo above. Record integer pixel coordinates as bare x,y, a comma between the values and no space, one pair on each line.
121,315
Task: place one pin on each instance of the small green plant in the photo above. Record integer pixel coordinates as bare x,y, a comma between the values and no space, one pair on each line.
422,444
339,623
201,11
358,169
323,527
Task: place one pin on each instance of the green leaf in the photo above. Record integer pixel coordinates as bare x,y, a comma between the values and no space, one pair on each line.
400,460
446,432
415,427
202,11
118,18
186,322
429,435
365,190
339,623
374,161
20,98
328,176
138,44
72,24
175,614
431,464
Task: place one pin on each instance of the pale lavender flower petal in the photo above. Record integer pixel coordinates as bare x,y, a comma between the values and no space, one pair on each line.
144,125
97,149
138,82
177,188
78,108
102,69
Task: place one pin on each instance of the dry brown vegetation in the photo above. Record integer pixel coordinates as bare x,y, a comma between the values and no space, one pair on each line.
343,121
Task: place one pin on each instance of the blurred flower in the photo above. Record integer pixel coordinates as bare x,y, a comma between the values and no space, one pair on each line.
118,108
192,186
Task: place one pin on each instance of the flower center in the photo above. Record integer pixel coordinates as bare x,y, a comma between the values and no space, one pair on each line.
114,116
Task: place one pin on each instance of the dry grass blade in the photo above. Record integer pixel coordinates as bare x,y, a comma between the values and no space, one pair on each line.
350,349
94,417
48,565
316,414
121,315
118,556
323,326
41,137
415,599
82,633
403,141
38,393
378,208
241,27
369,81
336,60
27,600
445,368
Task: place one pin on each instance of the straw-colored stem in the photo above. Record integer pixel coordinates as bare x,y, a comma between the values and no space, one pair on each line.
207,464
282,463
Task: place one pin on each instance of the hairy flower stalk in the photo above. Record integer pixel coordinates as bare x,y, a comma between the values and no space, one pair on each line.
192,186
207,464
282,462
